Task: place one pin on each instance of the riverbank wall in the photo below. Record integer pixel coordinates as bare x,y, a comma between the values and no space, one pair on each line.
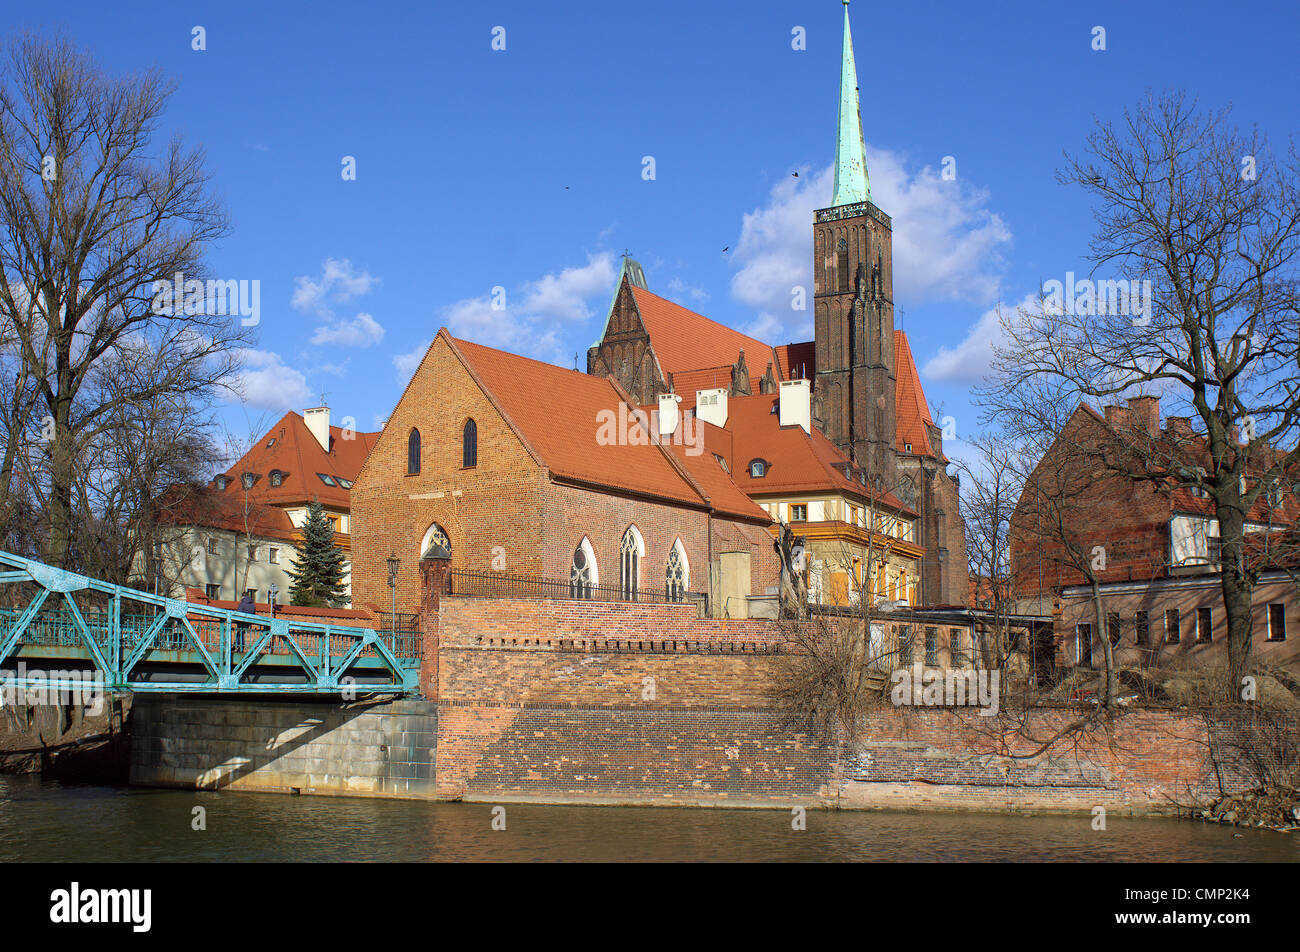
569,703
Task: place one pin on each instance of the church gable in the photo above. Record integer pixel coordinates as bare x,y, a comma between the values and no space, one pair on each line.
625,351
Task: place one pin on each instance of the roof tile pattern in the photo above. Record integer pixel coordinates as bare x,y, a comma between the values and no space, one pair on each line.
563,416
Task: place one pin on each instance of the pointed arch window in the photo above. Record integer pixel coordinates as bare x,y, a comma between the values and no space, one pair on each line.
583,576
629,572
436,544
842,265
469,444
413,452
676,575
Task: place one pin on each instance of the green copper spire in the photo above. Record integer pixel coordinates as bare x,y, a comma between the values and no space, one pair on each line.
851,184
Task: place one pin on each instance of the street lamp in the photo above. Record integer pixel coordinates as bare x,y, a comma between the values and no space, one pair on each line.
393,563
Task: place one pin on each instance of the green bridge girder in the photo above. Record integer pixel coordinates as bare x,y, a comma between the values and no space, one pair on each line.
168,645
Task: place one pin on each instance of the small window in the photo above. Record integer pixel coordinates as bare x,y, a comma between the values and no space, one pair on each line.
932,646
413,453
955,659
1142,625
1113,629
1173,627
1083,646
277,477
212,545
799,512
905,646
270,443
1277,622
345,483
1204,626
757,469
222,482
327,480
248,479
272,554
469,444
212,591
907,447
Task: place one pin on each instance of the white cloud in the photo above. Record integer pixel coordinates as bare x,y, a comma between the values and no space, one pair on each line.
339,282
968,362
679,288
565,295
530,320
362,331
947,243
267,383
406,364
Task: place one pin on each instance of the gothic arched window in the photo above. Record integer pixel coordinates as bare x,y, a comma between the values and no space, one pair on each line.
629,571
413,452
469,444
842,265
583,577
675,575
436,544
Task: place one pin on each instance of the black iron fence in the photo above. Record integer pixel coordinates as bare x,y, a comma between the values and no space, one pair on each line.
501,585
403,631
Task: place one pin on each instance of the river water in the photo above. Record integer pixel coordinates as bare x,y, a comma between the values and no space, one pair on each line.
44,820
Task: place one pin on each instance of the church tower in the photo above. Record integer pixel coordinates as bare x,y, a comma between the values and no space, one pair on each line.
853,299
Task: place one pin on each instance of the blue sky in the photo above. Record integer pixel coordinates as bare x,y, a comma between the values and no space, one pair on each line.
522,168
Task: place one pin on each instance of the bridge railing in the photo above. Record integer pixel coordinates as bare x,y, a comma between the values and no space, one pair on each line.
118,628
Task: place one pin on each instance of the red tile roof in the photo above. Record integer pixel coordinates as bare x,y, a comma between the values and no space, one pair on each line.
909,402
685,341
797,361
797,461
558,413
290,448
299,456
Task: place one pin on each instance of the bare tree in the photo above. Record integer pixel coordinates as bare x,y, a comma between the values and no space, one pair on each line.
90,220
1203,223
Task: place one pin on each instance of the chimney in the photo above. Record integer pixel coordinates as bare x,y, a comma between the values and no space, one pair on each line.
1146,413
796,404
711,406
1118,418
318,421
1180,428
668,414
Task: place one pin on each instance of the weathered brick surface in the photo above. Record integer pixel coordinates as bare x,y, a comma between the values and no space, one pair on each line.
565,702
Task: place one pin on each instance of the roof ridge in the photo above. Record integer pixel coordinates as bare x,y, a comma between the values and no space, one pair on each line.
672,458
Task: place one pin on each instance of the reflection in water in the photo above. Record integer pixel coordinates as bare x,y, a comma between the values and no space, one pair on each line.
42,820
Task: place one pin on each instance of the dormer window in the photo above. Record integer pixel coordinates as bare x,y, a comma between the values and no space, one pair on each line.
757,468
327,480
345,483
907,447
222,482
248,479
270,443
277,478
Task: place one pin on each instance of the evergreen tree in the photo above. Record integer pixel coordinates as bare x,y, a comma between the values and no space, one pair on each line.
318,564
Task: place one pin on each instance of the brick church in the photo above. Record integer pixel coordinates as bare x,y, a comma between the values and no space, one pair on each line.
866,393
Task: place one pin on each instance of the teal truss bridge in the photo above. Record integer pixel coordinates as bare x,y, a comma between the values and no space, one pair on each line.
52,620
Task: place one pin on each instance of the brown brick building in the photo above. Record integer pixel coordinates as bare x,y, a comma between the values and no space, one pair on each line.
1154,547
525,469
